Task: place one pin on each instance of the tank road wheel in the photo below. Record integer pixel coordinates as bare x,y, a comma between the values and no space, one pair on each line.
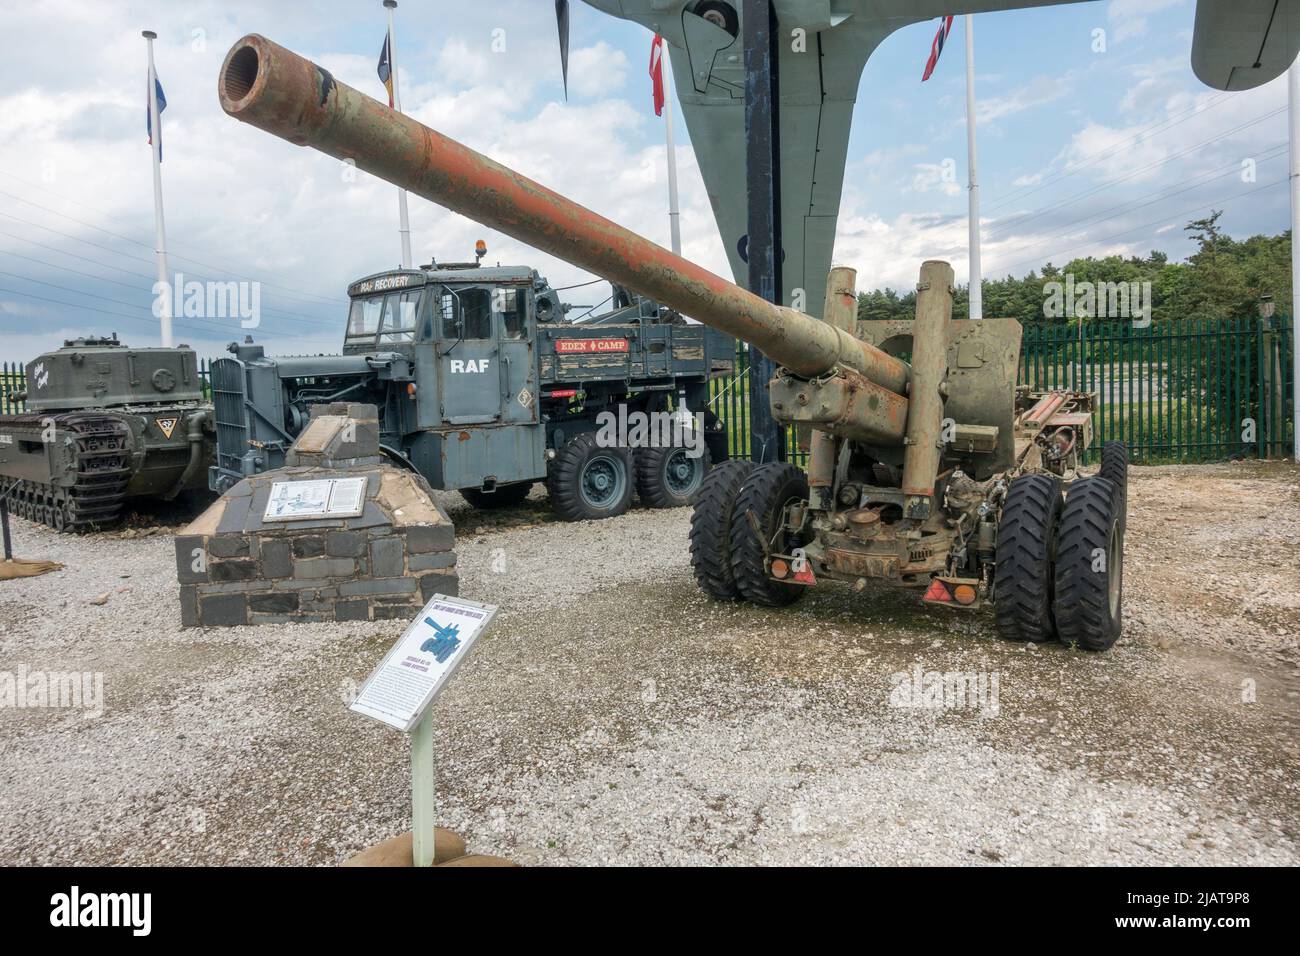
1090,566
506,496
711,529
670,477
1114,468
588,482
1026,545
762,501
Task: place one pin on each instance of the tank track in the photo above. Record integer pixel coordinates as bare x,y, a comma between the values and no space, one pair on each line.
103,460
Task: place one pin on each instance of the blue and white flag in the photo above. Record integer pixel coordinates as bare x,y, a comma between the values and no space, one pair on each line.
148,116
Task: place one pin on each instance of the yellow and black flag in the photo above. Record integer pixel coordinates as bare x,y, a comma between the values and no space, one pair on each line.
386,67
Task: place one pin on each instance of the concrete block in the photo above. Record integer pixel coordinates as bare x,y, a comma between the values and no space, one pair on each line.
278,602
189,606
390,612
235,569
357,609
432,561
229,546
313,568
309,546
372,517
439,582
378,586
236,515
345,544
386,558
223,610
186,547
423,538
277,558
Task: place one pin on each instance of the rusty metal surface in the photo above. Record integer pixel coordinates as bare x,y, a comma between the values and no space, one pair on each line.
929,370
274,89
846,404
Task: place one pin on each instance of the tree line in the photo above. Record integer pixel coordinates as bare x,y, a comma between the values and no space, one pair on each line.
1224,278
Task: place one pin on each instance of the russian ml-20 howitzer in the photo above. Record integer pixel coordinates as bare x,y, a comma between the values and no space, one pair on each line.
936,472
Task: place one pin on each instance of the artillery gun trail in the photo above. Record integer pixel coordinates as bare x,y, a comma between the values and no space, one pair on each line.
936,473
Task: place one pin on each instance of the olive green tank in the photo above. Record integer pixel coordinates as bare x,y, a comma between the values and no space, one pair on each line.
104,423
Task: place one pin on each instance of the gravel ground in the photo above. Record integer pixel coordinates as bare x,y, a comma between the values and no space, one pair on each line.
614,715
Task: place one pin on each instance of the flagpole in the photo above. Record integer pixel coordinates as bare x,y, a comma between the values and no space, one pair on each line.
404,219
1293,102
973,215
159,229
674,214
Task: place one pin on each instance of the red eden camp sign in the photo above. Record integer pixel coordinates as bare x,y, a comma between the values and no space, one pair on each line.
575,346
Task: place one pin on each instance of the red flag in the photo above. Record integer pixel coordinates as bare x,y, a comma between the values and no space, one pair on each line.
937,47
657,72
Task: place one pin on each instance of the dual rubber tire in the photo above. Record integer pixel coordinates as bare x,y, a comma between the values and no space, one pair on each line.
670,477
1060,564
588,482
739,511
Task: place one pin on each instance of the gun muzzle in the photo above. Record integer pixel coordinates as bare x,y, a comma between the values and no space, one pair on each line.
274,89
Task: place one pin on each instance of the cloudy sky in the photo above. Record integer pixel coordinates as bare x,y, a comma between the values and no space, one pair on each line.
1083,150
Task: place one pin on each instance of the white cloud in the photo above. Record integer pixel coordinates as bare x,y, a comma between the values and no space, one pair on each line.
1128,18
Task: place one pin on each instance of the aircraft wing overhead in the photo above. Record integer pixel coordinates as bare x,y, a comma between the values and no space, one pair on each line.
1241,44
819,88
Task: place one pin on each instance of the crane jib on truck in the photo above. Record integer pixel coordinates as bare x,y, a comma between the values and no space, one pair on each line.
484,386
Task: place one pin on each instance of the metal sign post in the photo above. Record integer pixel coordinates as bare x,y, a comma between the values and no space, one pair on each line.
401,690
422,826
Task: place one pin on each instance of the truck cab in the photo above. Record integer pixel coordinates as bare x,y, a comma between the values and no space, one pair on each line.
469,333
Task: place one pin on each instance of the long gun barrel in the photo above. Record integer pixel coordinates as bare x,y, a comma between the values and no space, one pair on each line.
274,89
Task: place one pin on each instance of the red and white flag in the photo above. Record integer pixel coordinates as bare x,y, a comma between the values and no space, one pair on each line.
657,72
945,27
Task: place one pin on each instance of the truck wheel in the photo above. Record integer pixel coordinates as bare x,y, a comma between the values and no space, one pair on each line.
764,496
670,477
711,529
1026,543
505,496
1090,566
588,482
1114,468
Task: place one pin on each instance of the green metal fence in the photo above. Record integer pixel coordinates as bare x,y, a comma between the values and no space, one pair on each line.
1189,391
1179,392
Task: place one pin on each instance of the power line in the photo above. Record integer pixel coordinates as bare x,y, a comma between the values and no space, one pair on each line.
145,245
292,317
1146,225
1168,122
1120,208
1024,218
197,324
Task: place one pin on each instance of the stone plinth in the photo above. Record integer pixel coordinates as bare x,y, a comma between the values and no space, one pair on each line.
235,568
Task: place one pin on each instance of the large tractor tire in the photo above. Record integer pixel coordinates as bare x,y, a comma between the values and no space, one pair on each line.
1114,468
711,529
1023,577
505,496
588,482
1090,566
670,477
761,502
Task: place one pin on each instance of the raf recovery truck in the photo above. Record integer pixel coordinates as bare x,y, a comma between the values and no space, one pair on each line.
104,423
485,387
